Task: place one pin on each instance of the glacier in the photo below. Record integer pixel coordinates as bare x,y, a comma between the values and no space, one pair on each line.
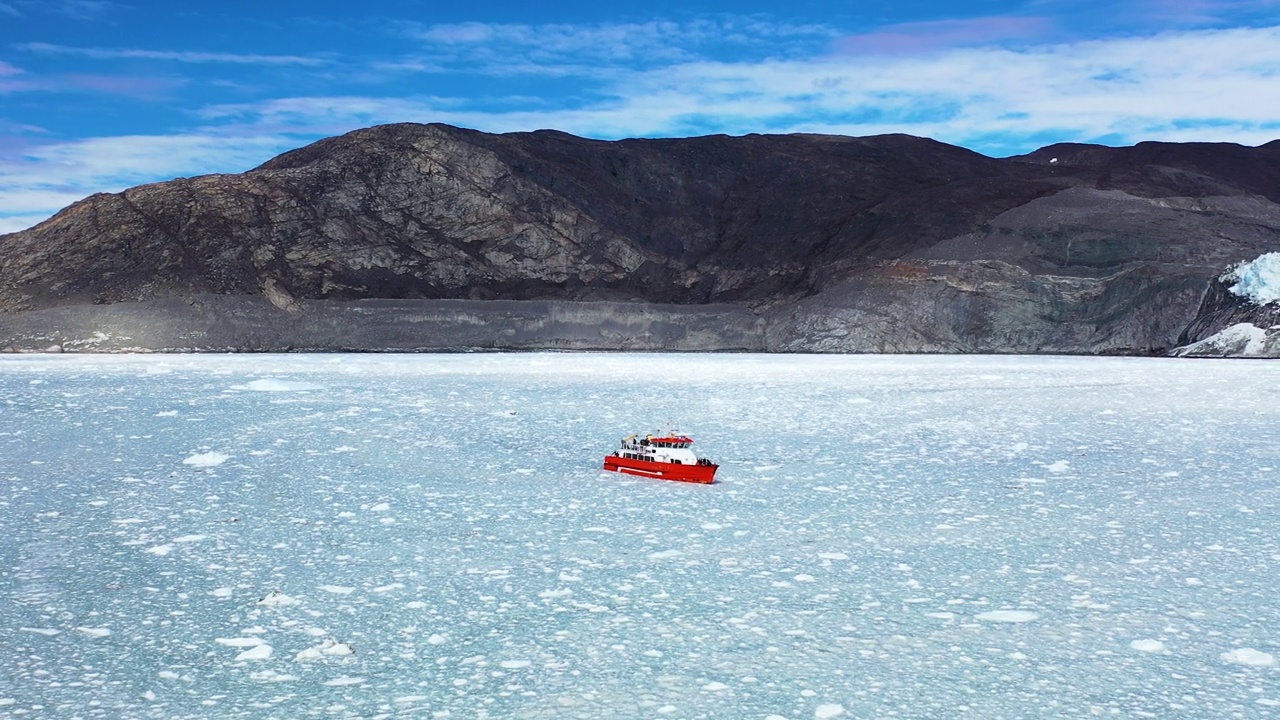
385,536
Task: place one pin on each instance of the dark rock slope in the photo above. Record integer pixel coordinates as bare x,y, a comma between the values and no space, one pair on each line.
433,237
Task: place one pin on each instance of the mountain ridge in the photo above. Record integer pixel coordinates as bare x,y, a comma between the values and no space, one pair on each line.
838,244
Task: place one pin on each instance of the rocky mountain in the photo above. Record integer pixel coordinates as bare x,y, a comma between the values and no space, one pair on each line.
430,237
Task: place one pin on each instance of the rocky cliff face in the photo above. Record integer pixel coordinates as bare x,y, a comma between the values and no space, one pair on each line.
780,243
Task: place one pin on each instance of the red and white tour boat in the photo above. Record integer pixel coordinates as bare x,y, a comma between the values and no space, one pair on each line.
666,458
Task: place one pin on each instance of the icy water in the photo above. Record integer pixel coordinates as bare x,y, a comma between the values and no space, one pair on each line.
431,536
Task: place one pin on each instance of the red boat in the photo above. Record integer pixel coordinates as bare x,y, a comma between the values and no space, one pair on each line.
666,458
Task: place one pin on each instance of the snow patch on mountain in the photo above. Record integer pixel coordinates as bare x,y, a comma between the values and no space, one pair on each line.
1239,340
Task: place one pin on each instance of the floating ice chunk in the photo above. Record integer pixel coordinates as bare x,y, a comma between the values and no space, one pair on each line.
515,664
1008,616
161,550
277,598
1249,656
832,556
239,641
827,711
94,632
380,507
222,592
943,615
1060,466
664,554
551,594
715,687
1148,645
257,652
189,538
47,632
167,413
209,459
344,680
804,578
389,587
274,385
330,648
436,639
338,589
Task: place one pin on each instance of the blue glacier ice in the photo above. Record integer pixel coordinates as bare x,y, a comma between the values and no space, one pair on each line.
361,536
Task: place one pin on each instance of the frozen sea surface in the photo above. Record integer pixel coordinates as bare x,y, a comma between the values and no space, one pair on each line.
431,536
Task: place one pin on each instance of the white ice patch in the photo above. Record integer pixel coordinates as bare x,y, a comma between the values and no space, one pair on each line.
209,459
1148,645
189,538
1008,616
328,648
1258,280
257,652
715,687
827,711
1060,466
277,598
1249,656
515,664
94,632
47,632
665,554
161,550
338,589
239,641
273,385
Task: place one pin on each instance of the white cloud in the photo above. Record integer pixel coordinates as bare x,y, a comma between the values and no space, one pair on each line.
498,48
184,56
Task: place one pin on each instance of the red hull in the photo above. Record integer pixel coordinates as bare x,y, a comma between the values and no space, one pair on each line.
704,474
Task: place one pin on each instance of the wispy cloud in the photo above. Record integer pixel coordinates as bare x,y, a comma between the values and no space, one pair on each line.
916,37
1201,12
174,56
13,80
72,9
550,48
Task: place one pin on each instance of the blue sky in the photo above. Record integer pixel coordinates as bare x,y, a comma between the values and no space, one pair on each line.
99,96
